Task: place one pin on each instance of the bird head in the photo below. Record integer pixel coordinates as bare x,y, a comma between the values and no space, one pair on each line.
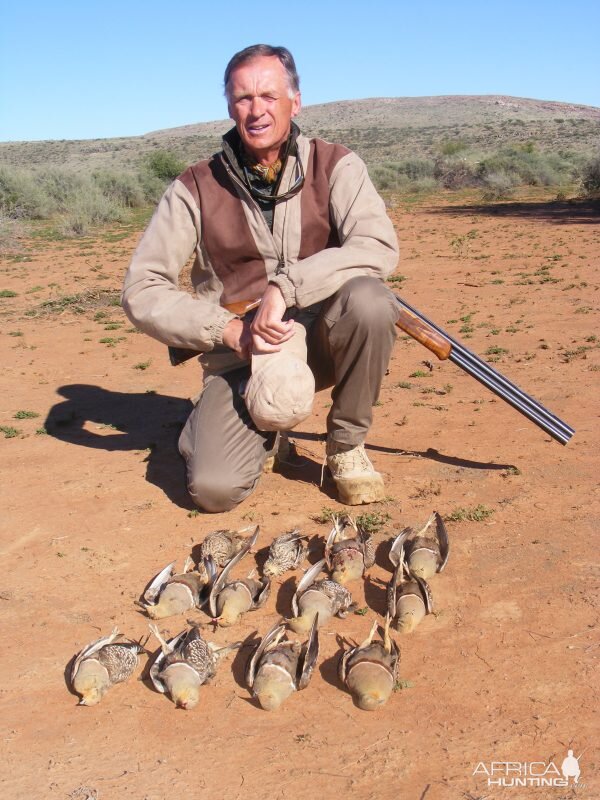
369,701
187,697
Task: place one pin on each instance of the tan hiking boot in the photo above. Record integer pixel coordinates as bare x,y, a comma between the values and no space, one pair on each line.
356,480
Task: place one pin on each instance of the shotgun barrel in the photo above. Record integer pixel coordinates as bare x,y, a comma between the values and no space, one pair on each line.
483,372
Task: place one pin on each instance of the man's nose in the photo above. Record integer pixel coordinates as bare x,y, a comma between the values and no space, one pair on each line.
257,106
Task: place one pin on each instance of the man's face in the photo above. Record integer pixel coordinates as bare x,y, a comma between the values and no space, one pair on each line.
260,105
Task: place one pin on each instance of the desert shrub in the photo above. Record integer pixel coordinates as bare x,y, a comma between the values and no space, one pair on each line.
590,176
497,186
90,207
10,235
122,187
451,147
525,165
424,185
165,165
22,196
416,168
60,185
152,186
403,176
455,173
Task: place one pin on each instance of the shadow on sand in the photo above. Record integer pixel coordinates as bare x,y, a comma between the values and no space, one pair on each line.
91,416
560,212
120,421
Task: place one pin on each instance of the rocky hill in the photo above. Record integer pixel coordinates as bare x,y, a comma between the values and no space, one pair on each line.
379,129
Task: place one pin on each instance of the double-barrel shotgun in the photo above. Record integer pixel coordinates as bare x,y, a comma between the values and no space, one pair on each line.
445,347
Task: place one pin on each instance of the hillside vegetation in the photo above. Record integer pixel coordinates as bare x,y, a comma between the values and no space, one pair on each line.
409,144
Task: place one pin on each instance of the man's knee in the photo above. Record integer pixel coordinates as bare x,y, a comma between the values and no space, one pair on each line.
214,493
368,301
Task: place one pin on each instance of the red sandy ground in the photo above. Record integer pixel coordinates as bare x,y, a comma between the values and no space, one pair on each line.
506,669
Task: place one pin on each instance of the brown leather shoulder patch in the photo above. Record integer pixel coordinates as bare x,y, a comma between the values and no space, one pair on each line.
189,181
226,237
318,231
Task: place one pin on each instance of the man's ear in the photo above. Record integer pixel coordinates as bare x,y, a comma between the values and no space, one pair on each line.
296,104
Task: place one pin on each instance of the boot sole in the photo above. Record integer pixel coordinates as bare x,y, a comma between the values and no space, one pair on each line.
360,490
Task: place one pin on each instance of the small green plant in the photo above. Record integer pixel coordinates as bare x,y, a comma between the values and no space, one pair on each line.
403,385
372,521
143,365
9,432
41,432
511,471
494,350
25,415
361,612
15,333
194,513
401,685
419,373
324,516
570,355
7,293
474,514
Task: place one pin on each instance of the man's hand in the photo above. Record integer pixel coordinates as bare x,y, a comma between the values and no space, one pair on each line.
267,328
237,336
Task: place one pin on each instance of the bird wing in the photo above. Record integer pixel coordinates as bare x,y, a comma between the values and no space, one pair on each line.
271,636
306,581
444,541
398,545
310,656
221,581
91,649
157,584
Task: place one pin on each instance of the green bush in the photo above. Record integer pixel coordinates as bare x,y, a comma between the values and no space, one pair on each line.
60,185
411,175
90,207
22,196
453,146
165,165
123,187
590,177
525,165
497,186
455,173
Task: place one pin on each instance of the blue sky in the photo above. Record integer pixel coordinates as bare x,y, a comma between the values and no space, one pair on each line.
92,69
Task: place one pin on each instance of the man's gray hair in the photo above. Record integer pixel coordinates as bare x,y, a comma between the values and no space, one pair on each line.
257,50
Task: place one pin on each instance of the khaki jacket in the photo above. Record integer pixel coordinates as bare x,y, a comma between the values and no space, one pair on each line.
334,229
